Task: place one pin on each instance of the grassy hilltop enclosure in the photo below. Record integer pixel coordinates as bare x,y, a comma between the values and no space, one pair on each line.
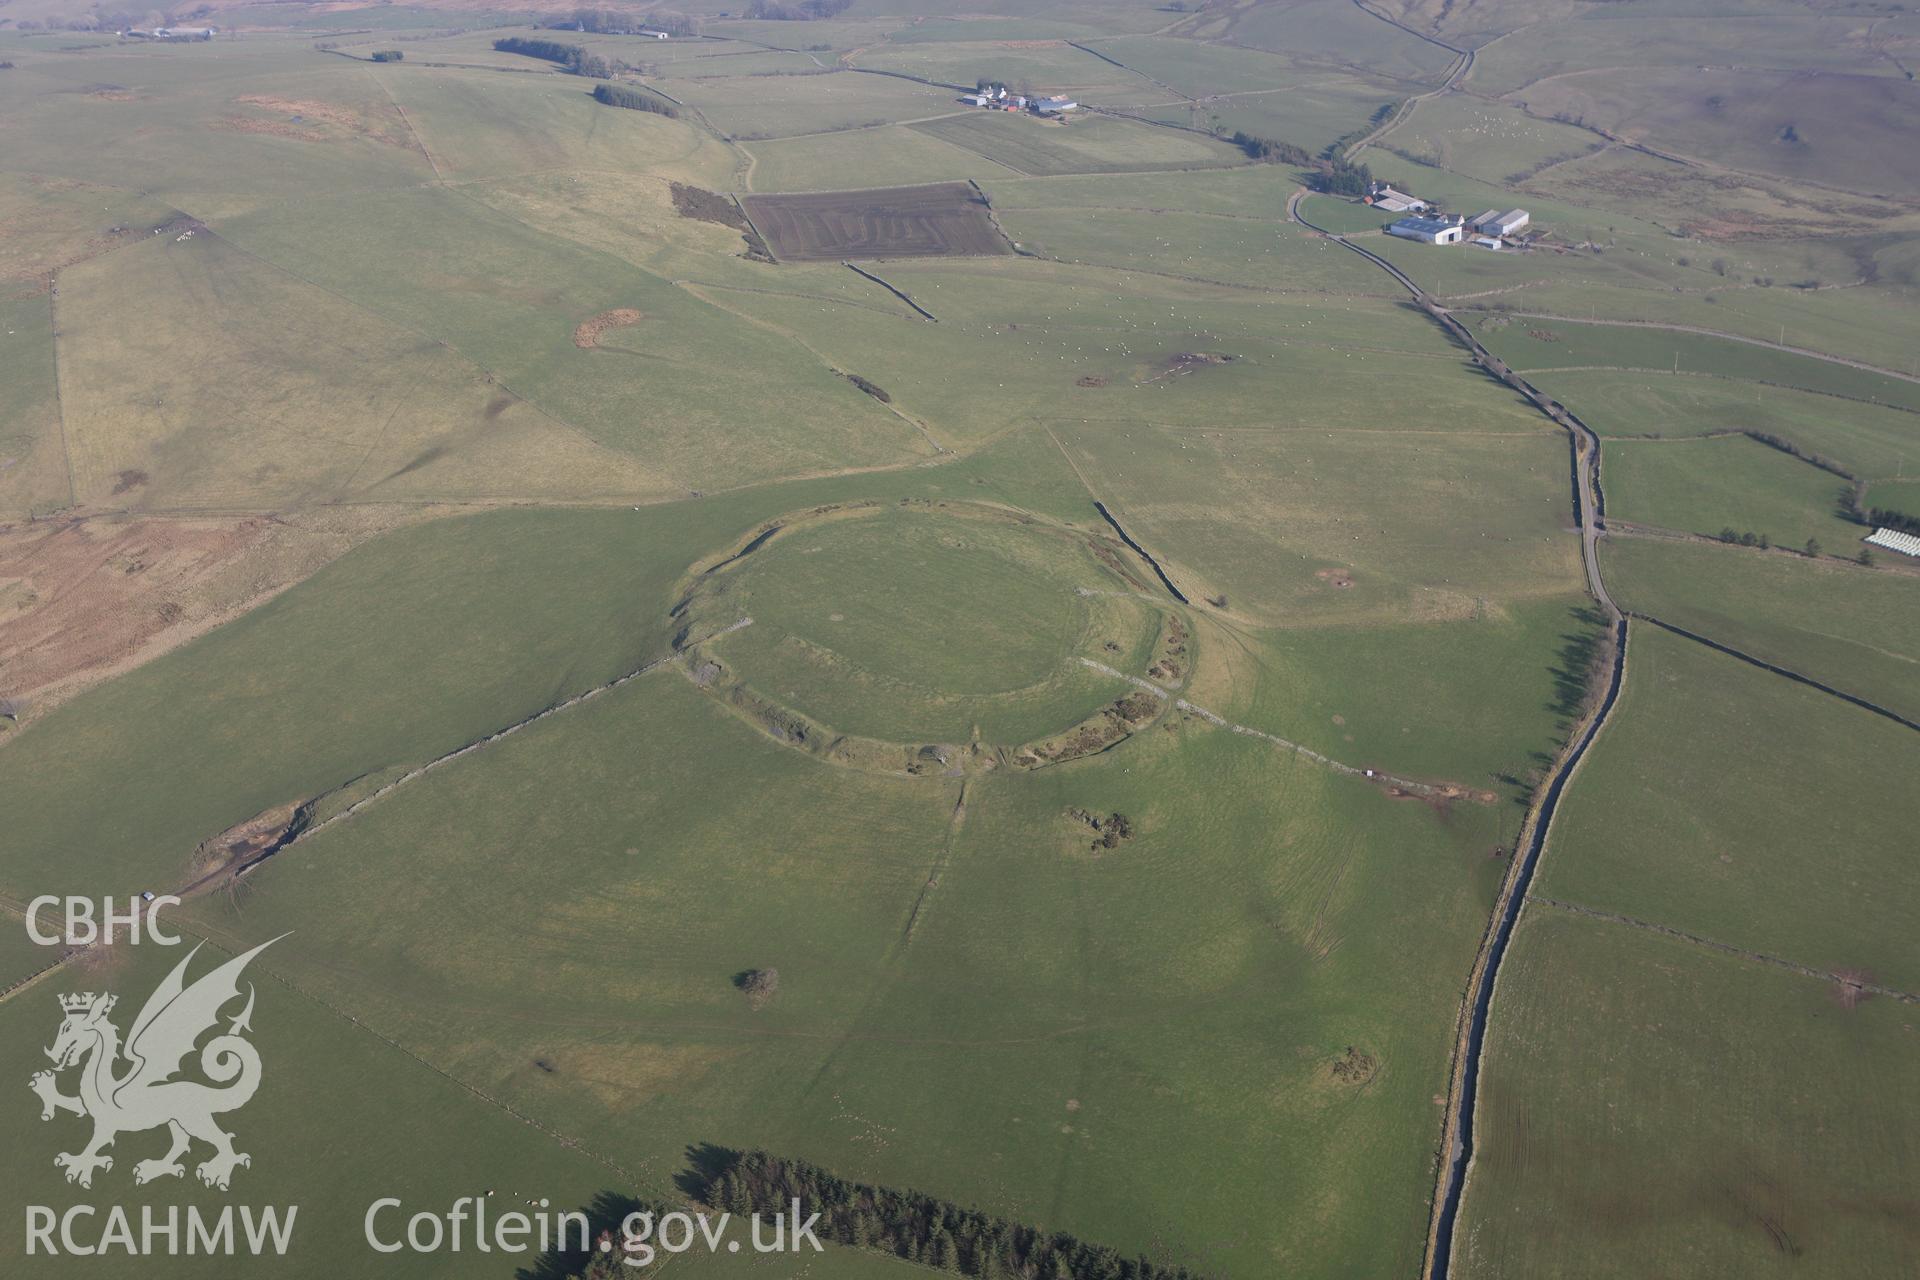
923,603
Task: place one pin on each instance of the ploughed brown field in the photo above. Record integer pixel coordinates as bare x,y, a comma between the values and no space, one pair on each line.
942,219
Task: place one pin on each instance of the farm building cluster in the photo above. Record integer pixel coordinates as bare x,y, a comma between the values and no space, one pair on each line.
995,96
1490,230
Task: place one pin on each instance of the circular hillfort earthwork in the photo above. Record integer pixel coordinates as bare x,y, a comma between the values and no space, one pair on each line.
938,638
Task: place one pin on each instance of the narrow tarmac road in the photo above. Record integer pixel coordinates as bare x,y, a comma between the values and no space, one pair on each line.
1589,511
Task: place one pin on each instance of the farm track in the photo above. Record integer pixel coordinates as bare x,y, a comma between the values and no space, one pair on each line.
1758,957
1218,721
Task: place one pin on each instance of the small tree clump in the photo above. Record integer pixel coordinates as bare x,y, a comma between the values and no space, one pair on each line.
758,985
620,95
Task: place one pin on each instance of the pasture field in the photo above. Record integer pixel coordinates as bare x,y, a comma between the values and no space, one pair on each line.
1898,494
1341,34
1869,440
1090,144
829,38
1272,518
279,410
1250,191
943,220
1475,701
1756,866
20,956
1770,35
1025,67
894,155
1546,345
1486,140
1713,207
1013,1067
750,107
1838,623
1196,69
1014,332
1853,323
1313,107
1727,482
33,479
1227,250
1630,1115
1797,123
483,125
511,298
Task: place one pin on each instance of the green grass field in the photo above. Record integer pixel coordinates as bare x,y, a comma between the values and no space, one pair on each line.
1529,344
1755,866
1838,623
1340,34
1898,495
910,625
33,478
1728,482
1245,251
1090,144
1030,68
1484,140
1869,440
896,155
891,1050
786,105
1271,518
1799,124
1631,1116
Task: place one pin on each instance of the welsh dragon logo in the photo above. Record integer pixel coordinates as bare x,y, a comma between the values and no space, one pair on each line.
133,1087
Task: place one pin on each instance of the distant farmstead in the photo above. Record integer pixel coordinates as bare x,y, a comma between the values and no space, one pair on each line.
1894,540
1429,230
1054,105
